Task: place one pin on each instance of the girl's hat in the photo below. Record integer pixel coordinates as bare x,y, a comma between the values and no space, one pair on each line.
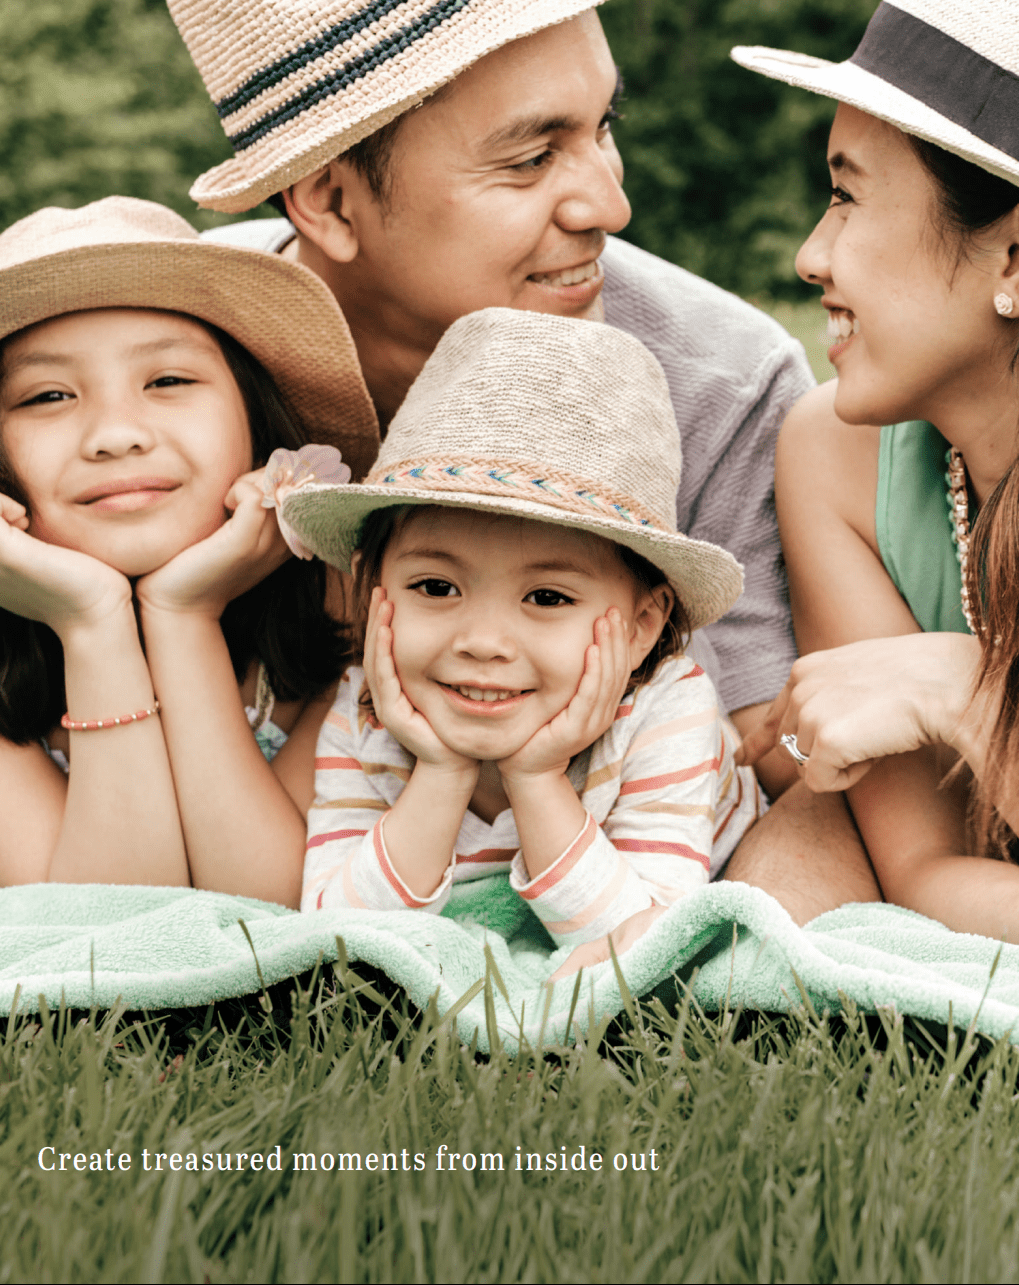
125,253
945,70
298,83
562,421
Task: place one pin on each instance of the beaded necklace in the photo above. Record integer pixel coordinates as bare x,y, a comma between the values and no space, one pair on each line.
958,514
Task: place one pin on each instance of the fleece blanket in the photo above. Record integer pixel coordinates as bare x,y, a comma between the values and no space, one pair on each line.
487,960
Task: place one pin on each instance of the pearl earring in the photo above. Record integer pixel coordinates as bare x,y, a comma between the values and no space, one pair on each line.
1003,305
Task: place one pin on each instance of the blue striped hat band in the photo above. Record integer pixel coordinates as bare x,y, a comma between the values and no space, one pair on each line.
298,83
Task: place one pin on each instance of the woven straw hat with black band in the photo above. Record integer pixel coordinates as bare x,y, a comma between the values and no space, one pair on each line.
125,253
945,70
297,83
566,422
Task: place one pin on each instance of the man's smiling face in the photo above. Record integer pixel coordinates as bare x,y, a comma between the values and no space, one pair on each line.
502,191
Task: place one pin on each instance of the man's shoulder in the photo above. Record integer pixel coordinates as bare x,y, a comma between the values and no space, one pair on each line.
268,235
689,322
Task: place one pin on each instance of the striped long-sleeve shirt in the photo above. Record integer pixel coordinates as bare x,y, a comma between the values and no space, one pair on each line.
666,806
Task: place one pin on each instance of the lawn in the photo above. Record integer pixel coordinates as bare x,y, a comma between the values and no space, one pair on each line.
793,1149
806,322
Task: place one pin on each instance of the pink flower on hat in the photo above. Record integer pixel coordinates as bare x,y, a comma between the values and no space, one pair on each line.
287,471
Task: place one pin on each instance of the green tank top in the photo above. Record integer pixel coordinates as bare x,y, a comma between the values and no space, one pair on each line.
914,527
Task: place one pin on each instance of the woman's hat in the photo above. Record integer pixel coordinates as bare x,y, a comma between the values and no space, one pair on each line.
563,421
297,84
945,70
125,253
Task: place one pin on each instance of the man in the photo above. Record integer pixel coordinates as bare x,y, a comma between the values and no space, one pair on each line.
436,158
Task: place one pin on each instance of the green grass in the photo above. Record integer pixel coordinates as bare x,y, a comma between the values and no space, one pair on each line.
797,1149
806,322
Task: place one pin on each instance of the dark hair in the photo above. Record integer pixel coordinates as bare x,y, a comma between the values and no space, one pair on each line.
970,199
381,525
281,622
372,157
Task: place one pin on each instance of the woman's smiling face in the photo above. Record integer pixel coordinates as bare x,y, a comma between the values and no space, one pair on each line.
125,429
912,318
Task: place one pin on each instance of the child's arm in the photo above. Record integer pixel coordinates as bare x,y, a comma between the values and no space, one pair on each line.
576,882
243,832
417,836
116,819
402,859
665,777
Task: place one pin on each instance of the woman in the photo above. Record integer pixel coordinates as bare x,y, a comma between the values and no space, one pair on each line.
918,259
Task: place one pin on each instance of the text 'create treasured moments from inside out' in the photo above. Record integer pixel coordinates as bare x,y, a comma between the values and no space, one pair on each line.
443,1160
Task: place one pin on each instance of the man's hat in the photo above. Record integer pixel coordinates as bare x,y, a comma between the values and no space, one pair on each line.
298,82
945,70
520,413
126,253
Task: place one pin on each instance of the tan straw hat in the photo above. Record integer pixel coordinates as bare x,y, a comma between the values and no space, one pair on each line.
298,82
945,70
125,253
563,421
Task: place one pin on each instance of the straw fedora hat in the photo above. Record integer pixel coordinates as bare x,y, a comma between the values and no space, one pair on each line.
299,82
125,253
563,421
945,70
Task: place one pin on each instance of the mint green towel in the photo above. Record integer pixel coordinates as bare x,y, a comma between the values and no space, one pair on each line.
157,948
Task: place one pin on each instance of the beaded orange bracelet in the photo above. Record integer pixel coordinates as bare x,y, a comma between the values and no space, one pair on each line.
100,724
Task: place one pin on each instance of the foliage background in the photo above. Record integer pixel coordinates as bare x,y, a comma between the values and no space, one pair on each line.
725,169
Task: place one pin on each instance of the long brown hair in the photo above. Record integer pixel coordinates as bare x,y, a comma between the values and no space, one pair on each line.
970,200
993,583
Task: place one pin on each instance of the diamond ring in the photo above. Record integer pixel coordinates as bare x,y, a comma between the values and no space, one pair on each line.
789,742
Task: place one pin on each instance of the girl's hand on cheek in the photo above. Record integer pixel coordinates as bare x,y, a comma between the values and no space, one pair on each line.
392,708
590,712
204,577
60,587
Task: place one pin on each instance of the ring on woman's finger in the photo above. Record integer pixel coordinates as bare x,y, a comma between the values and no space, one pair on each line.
788,741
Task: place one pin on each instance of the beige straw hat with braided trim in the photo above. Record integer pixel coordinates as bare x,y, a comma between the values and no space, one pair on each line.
126,253
562,421
944,70
298,82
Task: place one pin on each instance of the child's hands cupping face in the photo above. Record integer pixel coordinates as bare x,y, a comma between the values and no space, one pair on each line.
60,587
392,708
206,576
590,712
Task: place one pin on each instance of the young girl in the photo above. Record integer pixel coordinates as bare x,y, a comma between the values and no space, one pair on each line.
524,703
880,474
144,375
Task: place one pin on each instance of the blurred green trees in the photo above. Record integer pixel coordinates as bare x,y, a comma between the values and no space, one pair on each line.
725,169
97,97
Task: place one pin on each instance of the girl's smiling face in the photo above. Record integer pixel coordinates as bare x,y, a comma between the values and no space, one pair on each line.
914,329
493,618
125,429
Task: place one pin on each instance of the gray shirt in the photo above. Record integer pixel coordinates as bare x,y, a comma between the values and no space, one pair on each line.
733,373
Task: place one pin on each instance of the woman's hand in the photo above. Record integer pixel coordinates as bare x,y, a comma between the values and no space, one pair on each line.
60,587
206,576
590,712
852,705
392,708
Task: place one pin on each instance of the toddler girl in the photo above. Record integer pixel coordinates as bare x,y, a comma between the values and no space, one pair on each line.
524,702
144,375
